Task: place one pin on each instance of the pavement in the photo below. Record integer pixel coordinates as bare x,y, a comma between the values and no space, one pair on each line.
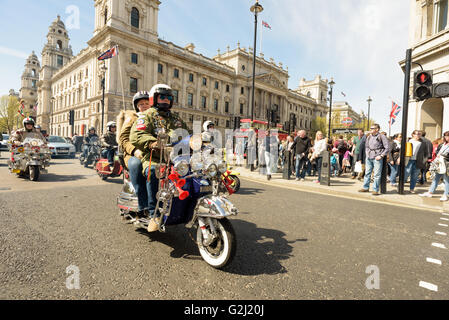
346,187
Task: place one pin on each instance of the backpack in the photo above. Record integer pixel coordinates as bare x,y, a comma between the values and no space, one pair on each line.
341,147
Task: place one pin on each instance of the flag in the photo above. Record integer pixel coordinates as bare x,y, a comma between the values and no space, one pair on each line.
395,110
109,54
35,107
266,25
22,107
343,94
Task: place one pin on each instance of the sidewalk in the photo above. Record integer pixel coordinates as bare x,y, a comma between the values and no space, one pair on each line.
346,187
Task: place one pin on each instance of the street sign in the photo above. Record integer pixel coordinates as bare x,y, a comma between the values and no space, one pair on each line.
347,122
345,131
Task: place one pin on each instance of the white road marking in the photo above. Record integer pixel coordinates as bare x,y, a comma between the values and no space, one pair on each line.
445,214
428,286
439,245
442,225
441,233
445,219
436,261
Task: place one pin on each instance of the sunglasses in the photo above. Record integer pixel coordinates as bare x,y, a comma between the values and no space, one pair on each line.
373,128
165,96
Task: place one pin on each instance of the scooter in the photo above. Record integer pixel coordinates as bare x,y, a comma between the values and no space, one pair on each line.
189,194
93,154
104,170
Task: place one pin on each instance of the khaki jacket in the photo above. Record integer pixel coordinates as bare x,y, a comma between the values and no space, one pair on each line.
125,121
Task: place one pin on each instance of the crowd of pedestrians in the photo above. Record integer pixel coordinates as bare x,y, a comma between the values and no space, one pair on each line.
362,157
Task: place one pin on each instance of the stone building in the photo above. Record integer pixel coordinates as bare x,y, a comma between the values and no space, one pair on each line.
216,89
343,110
429,41
28,90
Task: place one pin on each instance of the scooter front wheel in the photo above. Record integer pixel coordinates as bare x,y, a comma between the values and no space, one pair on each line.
221,251
34,173
236,182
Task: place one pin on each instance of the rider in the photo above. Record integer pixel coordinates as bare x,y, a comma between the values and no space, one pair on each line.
108,142
149,124
207,135
91,134
131,154
28,128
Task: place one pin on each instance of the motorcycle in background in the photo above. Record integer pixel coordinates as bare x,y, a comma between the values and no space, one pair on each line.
31,158
189,194
104,170
93,154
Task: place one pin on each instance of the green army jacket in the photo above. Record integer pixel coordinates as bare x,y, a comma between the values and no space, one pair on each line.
146,128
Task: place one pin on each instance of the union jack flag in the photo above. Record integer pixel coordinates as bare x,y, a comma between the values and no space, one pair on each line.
266,25
395,110
109,54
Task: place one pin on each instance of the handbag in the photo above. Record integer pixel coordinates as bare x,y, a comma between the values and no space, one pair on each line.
358,167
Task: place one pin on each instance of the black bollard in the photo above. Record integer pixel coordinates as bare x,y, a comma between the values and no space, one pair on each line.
383,176
325,179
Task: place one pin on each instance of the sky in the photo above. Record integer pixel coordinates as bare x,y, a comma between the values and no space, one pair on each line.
358,43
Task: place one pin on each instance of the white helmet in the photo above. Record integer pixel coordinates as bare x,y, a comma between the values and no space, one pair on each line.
111,124
206,125
161,90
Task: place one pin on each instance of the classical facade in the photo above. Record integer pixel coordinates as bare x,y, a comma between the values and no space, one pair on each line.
29,80
217,88
429,41
342,109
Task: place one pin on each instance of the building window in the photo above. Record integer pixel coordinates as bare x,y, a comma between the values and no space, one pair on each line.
160,68
441,10
216,105
34,83
216,85
60,61
190,77
228,124
134,58
135,17
191,117
59,43
175,96
204,82
190,99
241,108
242,90
176,73
226,106
133,85
203,102
105,15
227,88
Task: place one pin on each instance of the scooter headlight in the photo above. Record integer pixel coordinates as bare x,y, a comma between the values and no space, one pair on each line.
182,168
222,166
211,170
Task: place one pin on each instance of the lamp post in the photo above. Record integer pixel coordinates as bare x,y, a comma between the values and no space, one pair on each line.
256,9
52,105
331,84
369,106
103,70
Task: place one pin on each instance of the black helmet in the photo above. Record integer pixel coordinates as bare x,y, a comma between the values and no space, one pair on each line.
91,128
158,90
139,96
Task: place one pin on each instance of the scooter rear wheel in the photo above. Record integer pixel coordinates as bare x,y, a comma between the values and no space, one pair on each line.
222,250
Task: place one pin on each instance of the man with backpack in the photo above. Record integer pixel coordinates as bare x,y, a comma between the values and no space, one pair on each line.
376,148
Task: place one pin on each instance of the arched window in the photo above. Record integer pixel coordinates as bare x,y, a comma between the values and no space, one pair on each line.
59,44
135,17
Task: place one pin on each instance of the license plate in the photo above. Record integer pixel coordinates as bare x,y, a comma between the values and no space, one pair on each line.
63,151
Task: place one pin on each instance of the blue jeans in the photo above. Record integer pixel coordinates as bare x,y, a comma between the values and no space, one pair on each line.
436,180
394,172
138,181
152,188
109,154
85,151
412,172
369,166
319,162
300,164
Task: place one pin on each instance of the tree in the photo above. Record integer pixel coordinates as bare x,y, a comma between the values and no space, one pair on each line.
320,124
9,105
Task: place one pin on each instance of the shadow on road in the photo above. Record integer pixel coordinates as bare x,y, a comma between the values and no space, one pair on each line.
249,191
259,250
50,177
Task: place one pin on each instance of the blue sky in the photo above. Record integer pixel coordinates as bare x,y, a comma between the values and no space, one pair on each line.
359,43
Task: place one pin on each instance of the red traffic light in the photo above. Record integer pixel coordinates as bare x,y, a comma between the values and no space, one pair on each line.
423,77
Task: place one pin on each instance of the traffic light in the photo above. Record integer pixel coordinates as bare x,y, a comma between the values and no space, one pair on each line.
286,126
236,123
422,85
71,117
292,122
277,117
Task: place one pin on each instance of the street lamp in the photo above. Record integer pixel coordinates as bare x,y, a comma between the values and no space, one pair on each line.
256,9
103,70
369,106
331,84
